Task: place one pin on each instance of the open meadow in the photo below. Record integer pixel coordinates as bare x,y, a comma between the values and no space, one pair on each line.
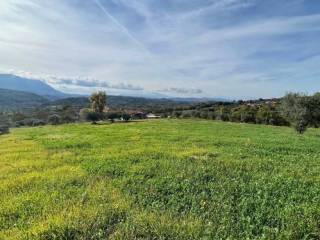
160,179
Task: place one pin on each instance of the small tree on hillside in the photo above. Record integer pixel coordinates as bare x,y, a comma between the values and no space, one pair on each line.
294,108
98,101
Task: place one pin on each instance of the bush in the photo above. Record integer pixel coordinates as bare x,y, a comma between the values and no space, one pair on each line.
235,115
176,114
223,114
4,124
4,130
186,114
68,115
126,117
204,114
54,119
84,114
113,115
301,126
211,116
94,117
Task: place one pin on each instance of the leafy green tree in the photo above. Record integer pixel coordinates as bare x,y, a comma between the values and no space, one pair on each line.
98,102
313,110
294,108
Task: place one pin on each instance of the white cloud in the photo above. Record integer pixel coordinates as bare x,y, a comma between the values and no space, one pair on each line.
205,45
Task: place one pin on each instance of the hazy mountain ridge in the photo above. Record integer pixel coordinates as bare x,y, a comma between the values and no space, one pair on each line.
13,82
18,92
18,100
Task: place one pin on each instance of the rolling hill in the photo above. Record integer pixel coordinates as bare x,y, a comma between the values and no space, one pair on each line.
15,100
122,102
19,100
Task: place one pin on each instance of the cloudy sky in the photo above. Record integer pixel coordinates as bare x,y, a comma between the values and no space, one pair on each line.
186,48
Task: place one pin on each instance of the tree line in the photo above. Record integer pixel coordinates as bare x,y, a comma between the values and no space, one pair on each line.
295,109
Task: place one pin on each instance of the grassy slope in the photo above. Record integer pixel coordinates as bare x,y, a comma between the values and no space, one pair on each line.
165,179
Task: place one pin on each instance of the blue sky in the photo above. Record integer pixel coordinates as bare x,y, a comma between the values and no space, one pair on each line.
185,48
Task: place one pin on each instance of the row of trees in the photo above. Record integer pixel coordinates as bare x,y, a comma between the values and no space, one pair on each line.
262,114
38,117
297,110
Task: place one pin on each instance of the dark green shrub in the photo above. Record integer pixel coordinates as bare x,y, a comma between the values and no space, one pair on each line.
4,124
94,117
126,117
54,119
4,130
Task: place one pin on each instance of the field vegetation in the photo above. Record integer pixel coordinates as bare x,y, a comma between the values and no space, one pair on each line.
161,179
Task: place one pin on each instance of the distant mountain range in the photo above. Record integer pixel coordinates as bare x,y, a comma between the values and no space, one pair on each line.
18,92
12,82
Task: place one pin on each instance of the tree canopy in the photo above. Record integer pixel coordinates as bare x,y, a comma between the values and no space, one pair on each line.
98,101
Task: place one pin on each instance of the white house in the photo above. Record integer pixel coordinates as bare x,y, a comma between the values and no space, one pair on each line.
152,116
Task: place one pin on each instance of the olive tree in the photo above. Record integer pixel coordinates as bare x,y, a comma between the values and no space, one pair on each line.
294,108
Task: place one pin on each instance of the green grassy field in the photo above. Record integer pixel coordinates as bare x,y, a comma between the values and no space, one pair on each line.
162,179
